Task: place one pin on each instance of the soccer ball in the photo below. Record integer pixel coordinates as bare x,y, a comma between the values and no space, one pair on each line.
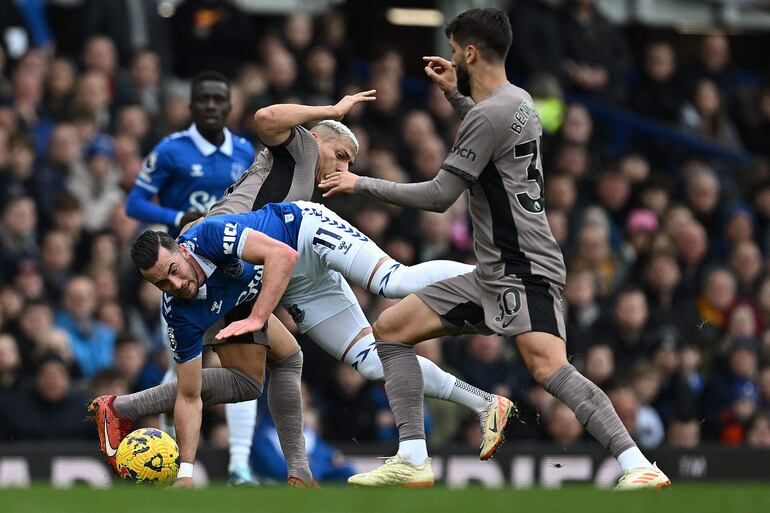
148,455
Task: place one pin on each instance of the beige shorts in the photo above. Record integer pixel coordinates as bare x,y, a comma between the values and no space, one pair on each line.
509,305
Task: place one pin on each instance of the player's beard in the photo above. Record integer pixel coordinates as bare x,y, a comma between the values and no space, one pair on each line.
463,80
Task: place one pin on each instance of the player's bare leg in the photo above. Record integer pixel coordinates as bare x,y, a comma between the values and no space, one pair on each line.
546,358
284,399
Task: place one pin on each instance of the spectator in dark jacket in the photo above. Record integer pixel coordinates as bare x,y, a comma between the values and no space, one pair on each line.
49,410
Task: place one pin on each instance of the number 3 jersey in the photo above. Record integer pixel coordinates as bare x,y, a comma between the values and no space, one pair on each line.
217,245
498,151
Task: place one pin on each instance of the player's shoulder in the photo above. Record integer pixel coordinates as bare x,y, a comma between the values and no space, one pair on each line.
507,104
173,142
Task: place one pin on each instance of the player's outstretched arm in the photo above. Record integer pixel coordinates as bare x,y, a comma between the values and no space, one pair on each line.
436,195
278,260
274,123
139,205
187,416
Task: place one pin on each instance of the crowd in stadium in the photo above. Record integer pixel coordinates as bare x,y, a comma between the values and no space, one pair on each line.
667,298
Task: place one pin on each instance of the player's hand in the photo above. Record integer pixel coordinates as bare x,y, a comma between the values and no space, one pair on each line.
442,72
188,217
183,482
348,102
339,181
247,325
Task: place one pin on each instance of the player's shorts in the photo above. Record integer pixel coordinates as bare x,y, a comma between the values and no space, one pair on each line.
510,305
238,313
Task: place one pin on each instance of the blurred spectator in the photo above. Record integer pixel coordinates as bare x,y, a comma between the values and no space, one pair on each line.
626,405
132,25
18,231
561,425
97,187
484,365
582,312
56,260
51,409
93,343
10,364
596,54
538,45
758,432
714,63
719,292
629,331
64,157
599,364
210,35
595,254
130,357
658,93
706,116
684,433
347,413
646,384
60,88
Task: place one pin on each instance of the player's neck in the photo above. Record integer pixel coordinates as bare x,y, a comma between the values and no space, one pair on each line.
199,273
485,80
215,137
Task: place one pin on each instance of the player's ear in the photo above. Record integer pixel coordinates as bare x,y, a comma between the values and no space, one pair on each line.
471,54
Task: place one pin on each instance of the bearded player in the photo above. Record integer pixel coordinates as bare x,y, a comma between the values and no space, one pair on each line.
516,288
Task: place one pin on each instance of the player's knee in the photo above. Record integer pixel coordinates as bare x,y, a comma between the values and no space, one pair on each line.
387,326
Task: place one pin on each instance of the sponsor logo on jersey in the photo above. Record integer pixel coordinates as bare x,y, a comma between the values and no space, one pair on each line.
228,241
344,247
216,306
465,153
196,170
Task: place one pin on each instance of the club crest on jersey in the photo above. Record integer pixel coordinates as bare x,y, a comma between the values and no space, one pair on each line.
236,170
196,170
228,241
234,270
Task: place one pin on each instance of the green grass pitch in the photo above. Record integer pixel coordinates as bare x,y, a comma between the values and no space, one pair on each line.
700,498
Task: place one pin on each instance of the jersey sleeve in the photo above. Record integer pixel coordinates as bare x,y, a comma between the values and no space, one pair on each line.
157,168
184,337
221,238
473,148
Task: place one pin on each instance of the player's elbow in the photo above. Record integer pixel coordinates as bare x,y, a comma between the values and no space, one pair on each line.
439,205
289,256
265,119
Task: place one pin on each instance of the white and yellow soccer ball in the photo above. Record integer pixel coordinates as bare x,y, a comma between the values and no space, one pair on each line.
148,455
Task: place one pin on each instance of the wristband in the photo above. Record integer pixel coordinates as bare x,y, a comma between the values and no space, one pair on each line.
185,470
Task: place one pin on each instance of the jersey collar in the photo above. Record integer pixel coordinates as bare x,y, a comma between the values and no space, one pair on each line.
205,147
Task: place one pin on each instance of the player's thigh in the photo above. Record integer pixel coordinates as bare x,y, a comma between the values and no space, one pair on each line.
543,353
410,321
248,358
282,342
340,330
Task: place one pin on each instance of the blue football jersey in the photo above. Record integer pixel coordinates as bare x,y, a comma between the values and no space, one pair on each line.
187,172
216,243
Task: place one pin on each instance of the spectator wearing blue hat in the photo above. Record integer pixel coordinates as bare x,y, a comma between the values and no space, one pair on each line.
98,186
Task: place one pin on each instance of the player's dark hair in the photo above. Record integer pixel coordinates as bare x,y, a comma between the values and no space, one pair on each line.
208,76
144,252
488,29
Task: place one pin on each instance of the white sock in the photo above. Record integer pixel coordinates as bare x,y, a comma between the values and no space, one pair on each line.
413,451
632,458
395,280
470,396
436,381
241,419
